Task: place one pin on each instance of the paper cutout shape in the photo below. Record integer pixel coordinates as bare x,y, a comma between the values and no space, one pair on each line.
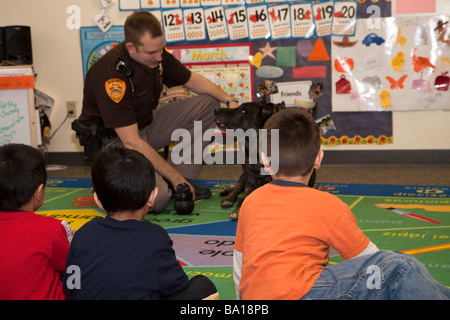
343,86
286,57
309,72
421,85
267,51
372,61
269,72
441,29
373,38
345,42
401,40
344,65
385,97
256,60
444,60
415,6
442,82
304,47
319,52
398,61
421,63
373,82
318,15
397,84
421,37
358,97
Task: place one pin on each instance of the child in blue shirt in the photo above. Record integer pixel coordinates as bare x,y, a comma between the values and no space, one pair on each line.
122,256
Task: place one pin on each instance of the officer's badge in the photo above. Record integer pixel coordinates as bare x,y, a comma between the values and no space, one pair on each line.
115,88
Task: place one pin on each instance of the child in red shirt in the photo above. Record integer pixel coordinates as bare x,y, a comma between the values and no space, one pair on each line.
33,248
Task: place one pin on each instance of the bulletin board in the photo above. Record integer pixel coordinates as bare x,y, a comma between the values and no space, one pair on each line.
289,43
18,117
401,65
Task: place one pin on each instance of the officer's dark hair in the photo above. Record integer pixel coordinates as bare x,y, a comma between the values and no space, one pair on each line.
22,171
139,23
123,179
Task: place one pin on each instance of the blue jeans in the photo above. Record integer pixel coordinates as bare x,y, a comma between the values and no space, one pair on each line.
384,275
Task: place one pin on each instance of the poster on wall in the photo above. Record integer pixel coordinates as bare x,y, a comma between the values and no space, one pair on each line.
226,65
403,64
95,43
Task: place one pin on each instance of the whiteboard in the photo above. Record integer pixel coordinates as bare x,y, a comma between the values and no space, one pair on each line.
18,121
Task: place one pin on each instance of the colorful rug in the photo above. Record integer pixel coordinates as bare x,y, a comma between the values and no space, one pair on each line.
411,219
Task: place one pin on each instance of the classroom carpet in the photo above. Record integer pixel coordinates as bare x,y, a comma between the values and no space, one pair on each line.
409,219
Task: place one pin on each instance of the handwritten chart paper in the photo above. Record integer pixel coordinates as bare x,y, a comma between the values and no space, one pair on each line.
14,117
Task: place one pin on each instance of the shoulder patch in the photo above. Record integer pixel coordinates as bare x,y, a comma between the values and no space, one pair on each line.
115,88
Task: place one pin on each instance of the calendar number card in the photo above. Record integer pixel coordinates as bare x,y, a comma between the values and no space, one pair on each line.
280,22
258,22
194,24
216,23
323,18
237,23
344,18
173,25
190,3
302,20
170,4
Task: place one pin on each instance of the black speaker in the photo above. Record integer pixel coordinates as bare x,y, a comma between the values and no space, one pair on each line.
2,45
17,43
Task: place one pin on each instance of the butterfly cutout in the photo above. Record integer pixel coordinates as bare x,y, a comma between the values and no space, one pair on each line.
397,84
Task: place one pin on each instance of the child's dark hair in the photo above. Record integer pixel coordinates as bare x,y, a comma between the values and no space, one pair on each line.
299,141
22,171
123,179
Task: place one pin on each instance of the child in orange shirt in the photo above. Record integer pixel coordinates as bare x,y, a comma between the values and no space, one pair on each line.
286,229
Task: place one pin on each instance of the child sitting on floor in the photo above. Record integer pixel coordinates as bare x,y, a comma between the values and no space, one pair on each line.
123,256
33,248
286,229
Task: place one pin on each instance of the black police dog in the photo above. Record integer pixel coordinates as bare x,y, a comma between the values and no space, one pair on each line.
249,115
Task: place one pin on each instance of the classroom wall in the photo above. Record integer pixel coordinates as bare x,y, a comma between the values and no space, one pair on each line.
58,64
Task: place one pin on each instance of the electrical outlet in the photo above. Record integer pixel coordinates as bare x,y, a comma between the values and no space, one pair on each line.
71,106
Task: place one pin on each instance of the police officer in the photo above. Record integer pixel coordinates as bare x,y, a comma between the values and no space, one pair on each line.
122,90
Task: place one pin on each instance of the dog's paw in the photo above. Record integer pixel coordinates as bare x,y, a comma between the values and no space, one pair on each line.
234,215
226,192
225,203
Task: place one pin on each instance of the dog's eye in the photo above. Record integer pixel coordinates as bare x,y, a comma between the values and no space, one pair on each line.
243,111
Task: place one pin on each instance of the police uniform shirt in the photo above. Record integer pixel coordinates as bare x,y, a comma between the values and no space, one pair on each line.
122,101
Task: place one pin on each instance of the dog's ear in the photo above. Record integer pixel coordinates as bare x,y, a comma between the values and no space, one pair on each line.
268,110
279,106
